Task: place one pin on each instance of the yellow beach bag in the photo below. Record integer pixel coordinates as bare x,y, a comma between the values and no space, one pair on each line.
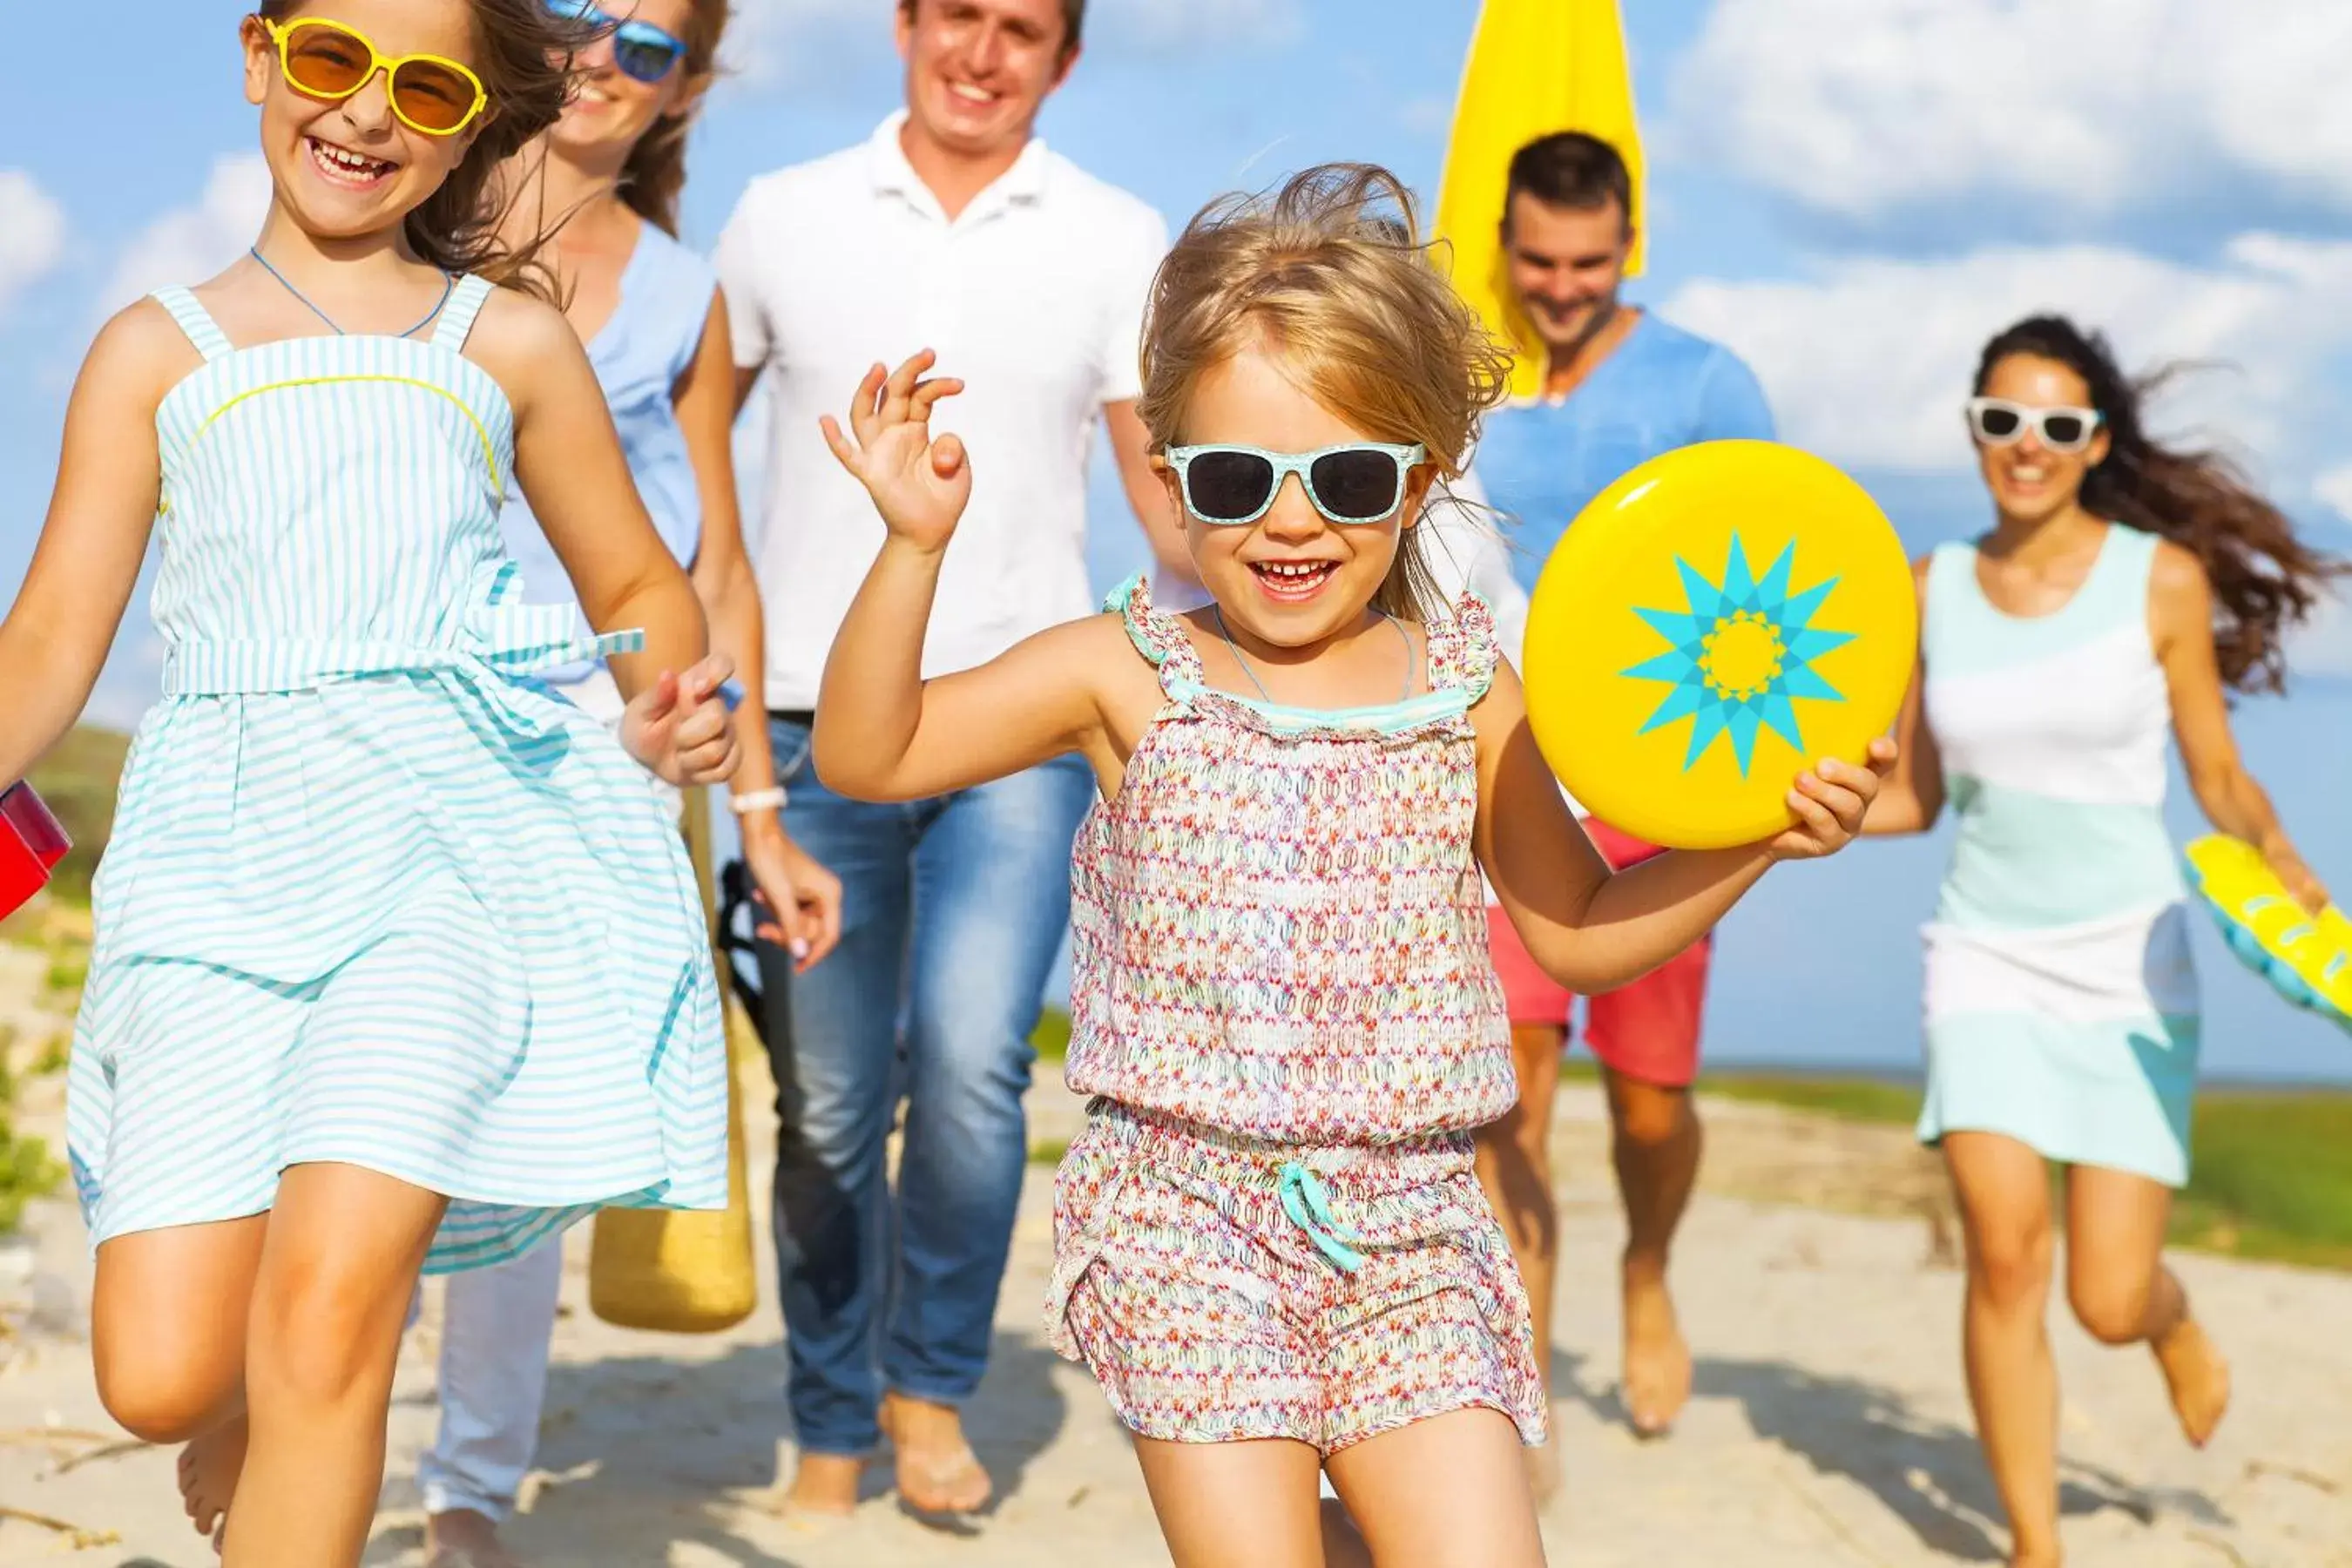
686,1271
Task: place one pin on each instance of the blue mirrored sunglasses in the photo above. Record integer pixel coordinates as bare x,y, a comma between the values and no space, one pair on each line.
641,51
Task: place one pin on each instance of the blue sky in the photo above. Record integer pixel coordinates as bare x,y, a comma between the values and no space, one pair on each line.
1854,221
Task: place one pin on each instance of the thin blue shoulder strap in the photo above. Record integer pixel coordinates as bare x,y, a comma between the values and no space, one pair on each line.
457,316
194,321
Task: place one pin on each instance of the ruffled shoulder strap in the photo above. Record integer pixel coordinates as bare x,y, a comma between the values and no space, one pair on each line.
1463,650
1157,638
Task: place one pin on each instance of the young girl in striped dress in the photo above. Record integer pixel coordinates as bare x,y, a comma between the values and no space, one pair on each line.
399,964
1272,1250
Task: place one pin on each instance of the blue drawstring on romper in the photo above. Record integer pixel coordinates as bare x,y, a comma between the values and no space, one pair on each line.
1308,1204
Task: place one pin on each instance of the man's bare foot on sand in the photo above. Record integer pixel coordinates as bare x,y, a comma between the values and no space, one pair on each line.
464,1538
937,1470
208,1471
1657,1362
824,1486
2197,1377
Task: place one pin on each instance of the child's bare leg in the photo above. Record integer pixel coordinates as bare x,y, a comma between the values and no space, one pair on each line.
1343,1543
1514,1162
1237,1505
168,1318
341,1256
1447,1492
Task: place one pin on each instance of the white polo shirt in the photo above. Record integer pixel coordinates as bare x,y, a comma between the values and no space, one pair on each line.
1034,296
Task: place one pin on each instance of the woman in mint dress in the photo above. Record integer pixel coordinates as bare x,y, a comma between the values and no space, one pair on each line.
2123,589
399,964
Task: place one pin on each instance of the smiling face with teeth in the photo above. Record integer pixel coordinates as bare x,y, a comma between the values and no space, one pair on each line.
610,112
2030,483
1290,582
351,168
978,70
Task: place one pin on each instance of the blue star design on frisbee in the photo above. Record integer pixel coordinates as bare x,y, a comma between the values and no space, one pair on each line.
1741,655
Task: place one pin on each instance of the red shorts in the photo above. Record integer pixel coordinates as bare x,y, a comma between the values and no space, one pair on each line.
1648,1030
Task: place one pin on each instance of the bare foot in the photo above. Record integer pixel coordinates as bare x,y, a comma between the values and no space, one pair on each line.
1657,1362
938,1471
464,1538
825,1486
208,1471
2197,1375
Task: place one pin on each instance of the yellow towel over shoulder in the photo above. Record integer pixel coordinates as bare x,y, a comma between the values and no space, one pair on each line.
1535,66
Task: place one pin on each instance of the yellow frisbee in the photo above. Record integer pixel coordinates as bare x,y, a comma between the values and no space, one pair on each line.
2307,958
1713,624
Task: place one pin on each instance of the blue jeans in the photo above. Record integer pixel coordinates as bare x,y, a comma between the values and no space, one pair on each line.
953,911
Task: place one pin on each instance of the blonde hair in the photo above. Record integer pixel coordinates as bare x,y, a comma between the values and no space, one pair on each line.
1331,270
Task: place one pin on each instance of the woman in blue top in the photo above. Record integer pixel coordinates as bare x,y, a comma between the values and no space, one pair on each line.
603,182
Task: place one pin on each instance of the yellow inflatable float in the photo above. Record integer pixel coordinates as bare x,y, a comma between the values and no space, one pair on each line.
2307,958
1714,623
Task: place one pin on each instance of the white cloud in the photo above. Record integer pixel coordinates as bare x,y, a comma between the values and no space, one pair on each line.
1190,24
1859,109
768,38
190,244
32,233
1866,359
2335,487
2323,644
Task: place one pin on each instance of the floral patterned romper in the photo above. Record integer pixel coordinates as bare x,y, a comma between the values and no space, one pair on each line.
1285,1017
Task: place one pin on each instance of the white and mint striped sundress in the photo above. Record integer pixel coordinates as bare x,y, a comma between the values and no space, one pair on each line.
2061,1000
374,896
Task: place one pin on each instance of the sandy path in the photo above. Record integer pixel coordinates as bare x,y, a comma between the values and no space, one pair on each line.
1829,1428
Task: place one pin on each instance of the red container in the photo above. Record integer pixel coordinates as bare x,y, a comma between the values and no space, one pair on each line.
32,842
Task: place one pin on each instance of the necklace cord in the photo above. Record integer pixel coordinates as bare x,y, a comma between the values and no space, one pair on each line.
448,284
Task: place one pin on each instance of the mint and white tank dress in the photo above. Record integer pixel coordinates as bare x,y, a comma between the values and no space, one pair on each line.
2061,1001
374,897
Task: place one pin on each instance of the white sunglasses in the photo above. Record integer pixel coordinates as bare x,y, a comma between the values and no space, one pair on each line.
1996,422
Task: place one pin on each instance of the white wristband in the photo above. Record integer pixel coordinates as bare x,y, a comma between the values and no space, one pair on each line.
770,799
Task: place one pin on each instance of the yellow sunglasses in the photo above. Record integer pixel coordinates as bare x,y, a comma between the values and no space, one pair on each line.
328,60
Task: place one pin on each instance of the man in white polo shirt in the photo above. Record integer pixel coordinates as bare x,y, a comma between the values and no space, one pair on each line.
952,228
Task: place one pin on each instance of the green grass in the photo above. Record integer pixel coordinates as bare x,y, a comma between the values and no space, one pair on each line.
78,780
1850,1099
26,1172
2271,1174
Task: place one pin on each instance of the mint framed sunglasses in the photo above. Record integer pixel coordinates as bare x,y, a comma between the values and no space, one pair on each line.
641,51
1233,485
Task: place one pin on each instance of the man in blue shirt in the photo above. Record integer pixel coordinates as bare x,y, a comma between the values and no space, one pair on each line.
1620,387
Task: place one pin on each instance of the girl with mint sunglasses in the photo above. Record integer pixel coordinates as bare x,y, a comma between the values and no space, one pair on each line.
1272,1248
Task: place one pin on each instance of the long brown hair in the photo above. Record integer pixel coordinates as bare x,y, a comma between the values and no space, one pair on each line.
1332,268
656,172
523,54
2265,578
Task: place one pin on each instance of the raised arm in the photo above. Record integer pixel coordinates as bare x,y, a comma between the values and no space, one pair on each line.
1912,798
882,731
1591,930
568,459
2180,619
54,643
